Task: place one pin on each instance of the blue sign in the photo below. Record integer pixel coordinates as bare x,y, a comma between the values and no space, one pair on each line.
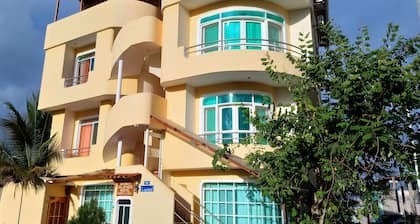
147,182
147,188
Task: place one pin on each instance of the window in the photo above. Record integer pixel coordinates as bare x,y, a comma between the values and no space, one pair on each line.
123,209
84,63
103,195
238,203
226,117
242,29
87,134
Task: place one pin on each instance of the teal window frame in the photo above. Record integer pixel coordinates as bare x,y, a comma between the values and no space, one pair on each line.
237,107
232,202
104,195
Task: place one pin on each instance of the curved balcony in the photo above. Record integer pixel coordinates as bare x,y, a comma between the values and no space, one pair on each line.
131,116
233,60
133,46
109,14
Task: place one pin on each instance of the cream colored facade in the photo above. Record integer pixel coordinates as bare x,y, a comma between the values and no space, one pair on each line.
154,55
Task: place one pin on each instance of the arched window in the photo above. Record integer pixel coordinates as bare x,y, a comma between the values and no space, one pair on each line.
226,117
250,29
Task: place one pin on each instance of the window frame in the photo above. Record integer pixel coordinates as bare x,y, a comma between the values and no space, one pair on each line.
84,121
115,208
83,198
233,182
218,133
76,74
220,20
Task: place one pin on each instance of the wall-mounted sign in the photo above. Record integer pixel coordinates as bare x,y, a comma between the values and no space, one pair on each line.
147,188
125,189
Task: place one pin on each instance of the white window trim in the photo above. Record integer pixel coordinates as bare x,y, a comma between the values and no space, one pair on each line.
78,125
76,62
82,194
115,213
264,28
234,181
234,130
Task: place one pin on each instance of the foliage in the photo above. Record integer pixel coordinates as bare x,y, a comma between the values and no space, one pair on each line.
89,213
27,152
330,156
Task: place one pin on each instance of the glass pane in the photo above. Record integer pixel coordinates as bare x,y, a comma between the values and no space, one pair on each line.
232,35
241,220
274,37
94,133
210,116
211,37
243,118
120,215
253,35
224,98
227,119
126,215
211,138
227,139
242,98
210,100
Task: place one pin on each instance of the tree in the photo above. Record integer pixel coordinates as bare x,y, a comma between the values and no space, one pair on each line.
27,153
331,158
89,213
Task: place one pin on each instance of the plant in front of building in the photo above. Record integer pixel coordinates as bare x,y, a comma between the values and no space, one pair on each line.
89,213
27,152
331,157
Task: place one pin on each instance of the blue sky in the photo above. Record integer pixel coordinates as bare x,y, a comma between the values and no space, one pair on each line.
23,24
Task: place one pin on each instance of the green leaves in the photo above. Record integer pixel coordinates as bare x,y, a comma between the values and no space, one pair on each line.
28,151
328,155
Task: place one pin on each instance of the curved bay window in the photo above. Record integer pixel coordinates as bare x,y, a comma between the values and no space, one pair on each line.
226,117
250,29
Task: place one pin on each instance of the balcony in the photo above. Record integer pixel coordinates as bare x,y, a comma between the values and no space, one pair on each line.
131,116
225,43
107,14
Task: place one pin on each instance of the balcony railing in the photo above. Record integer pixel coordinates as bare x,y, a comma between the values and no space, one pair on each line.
75,80
242,44
78,152
232,137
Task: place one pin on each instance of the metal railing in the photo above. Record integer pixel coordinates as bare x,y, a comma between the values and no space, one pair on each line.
75,80
233,137
78,152
197,218
242,44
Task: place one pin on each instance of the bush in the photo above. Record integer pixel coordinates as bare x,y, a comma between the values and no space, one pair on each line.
89,213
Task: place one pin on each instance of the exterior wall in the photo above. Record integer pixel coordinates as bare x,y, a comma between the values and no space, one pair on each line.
32,205
179,68
133,31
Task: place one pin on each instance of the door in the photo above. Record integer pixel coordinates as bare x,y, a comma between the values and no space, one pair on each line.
123,211
57,210
85,139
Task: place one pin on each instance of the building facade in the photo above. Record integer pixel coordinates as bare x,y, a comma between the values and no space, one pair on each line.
143,92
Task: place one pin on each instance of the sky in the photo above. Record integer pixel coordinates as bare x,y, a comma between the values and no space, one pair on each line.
23,24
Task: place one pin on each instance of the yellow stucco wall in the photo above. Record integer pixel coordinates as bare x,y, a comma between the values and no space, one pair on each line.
32,205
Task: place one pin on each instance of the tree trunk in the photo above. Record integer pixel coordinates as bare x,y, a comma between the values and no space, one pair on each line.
20,205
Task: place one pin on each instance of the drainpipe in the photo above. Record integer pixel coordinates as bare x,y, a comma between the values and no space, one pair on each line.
117,98
146,147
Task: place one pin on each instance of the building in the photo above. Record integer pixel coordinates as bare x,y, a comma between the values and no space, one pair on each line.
143,92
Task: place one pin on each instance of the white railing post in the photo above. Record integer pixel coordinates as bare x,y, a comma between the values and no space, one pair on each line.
119,152
119,81
146,147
